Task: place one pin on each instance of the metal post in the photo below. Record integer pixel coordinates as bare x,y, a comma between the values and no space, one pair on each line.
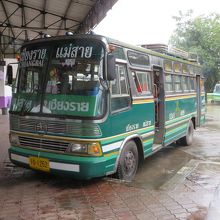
2,64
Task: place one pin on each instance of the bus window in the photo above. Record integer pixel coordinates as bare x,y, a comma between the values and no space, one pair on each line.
137,59
29,80
177,83
191,70
185,83
119,85
216,89
167,65
168,83
142,82
119,88
118,52
177,67
136,83
192,83
185,69
202,85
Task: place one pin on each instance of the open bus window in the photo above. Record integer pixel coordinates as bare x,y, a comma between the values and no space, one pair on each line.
142,82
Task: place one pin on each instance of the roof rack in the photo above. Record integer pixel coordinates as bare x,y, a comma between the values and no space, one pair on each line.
172,51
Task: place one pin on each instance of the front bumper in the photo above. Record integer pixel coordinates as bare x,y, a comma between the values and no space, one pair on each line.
76,166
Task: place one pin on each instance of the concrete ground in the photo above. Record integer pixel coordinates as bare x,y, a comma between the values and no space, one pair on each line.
176,183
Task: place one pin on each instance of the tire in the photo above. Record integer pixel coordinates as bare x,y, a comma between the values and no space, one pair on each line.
128,162
188,139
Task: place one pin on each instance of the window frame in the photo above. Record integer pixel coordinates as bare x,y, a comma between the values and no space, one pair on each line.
120,95
170,83
147,65
187,90
179,83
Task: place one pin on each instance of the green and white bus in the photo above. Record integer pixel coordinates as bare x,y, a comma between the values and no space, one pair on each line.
90,106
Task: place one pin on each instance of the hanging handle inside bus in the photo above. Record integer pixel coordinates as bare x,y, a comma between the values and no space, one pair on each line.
111,74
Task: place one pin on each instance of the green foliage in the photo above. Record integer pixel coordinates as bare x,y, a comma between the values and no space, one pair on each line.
200,35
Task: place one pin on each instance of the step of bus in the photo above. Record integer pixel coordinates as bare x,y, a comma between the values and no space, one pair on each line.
156,147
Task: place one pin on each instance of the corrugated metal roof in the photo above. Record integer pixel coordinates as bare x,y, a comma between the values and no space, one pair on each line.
30,19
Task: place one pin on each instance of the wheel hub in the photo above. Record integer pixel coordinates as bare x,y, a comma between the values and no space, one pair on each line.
129,162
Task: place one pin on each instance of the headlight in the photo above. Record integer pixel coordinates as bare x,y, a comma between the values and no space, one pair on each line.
14,139
75,147
85,148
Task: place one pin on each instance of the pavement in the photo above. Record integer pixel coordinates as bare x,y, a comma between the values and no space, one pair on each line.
190,191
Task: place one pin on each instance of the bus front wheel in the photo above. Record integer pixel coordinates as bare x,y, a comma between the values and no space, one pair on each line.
188,139
128,162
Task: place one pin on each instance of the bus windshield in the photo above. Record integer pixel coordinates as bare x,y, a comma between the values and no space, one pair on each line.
65,81
217,88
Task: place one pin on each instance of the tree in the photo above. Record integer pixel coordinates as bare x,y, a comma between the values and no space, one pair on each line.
200,35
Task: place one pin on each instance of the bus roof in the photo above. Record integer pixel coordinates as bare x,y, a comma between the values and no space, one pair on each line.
150,52
111,41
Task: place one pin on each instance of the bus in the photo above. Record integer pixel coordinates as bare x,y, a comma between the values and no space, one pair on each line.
215,96
90,106
6,90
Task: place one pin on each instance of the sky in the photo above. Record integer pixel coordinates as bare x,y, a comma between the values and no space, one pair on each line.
149,21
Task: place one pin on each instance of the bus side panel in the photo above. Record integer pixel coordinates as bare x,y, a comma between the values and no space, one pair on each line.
178,113
138,121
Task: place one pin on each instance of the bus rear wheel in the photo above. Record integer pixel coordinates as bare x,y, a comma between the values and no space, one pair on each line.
128,162
188,139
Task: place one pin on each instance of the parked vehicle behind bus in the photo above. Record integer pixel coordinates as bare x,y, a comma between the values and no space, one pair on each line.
215,96
6,90
89,106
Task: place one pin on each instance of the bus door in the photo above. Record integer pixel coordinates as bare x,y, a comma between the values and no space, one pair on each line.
199,100
159,99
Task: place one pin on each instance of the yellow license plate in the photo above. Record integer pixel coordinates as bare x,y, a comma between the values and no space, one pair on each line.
39,163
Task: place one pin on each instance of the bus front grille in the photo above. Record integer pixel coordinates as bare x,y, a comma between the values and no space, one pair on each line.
69,128
44,144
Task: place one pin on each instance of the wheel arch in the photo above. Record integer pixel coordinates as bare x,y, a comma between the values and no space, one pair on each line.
138,141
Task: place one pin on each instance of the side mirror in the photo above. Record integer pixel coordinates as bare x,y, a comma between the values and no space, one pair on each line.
9,75
111,74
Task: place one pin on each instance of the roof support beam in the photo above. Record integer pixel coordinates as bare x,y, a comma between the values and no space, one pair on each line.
33,18
36,29
10,42
95,15
44,14
65,14
1,46
53,23
7,18
39,10
24,22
